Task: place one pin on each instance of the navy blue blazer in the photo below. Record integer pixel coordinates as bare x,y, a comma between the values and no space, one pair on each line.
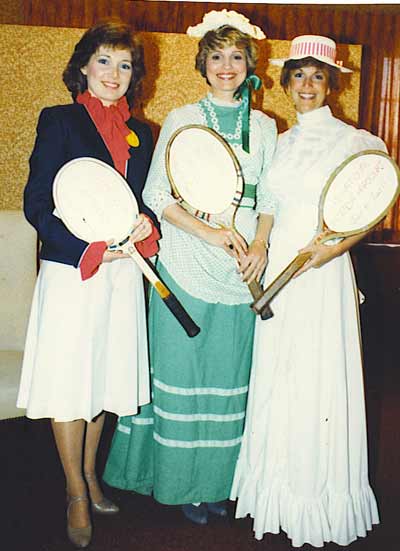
66,132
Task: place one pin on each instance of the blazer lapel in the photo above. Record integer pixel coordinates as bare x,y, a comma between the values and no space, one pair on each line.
90,133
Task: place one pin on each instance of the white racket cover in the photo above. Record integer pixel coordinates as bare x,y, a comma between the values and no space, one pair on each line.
360,192
94,201
202,169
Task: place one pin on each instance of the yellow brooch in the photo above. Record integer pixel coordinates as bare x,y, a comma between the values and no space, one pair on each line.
132,139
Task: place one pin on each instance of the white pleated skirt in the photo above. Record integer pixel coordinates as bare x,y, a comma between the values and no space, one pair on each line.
86,347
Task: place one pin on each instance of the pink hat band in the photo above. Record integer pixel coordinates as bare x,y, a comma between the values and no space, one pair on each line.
305,49
320,48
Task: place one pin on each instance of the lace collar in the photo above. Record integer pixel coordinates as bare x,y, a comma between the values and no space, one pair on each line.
223,103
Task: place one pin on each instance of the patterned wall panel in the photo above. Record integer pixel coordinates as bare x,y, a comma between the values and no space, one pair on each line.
37,56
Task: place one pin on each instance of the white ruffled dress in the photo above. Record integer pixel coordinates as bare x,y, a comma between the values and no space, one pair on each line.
303,464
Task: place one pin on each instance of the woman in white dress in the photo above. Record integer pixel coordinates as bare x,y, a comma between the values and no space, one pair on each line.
86,347
303,462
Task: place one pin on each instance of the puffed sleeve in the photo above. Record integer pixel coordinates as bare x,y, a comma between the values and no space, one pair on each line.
360,140
47,158
266,202
157,192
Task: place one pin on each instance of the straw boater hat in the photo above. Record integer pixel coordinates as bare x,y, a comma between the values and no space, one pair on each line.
318,47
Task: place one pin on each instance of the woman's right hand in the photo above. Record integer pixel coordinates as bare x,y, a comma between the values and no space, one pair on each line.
226,238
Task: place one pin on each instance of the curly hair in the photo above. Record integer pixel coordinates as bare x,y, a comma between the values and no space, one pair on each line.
112,34
332,73
221,38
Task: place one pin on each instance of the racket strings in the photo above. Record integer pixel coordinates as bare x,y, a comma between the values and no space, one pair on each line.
94,201
203,188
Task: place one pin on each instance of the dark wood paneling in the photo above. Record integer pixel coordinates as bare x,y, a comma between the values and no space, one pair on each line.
12,12
377,269
344,23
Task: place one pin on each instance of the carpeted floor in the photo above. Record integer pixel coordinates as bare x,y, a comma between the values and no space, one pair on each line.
32,492
32,483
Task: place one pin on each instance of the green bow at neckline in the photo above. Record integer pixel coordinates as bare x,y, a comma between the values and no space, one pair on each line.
244,93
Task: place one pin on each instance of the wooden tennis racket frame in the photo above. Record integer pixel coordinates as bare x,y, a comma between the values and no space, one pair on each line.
323,233
255,287
168,298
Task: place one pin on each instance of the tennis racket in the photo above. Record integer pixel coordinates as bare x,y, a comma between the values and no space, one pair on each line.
357,195
206,178
96,204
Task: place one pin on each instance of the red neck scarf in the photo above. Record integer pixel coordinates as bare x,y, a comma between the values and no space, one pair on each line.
110,123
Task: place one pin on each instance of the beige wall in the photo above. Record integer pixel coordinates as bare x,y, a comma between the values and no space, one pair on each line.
33,59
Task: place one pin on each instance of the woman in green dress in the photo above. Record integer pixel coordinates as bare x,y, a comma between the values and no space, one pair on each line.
183,447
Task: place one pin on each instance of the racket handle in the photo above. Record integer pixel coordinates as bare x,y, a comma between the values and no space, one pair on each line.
261,304
257,291
176,308
266,313
170,300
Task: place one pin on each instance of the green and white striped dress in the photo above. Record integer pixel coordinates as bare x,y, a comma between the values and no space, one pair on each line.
183,447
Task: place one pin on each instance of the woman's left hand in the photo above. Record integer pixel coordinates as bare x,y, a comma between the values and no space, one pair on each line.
142,229
252,265
320,255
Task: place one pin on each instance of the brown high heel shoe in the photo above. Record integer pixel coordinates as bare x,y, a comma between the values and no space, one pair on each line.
80,537
105,506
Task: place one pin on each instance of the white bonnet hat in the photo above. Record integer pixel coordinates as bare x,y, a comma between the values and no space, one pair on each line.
215,19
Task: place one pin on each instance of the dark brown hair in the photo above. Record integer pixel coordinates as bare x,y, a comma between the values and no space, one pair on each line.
113,34
222,37
332,73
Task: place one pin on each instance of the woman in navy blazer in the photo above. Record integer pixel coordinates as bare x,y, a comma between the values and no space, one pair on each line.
86,346
66,132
